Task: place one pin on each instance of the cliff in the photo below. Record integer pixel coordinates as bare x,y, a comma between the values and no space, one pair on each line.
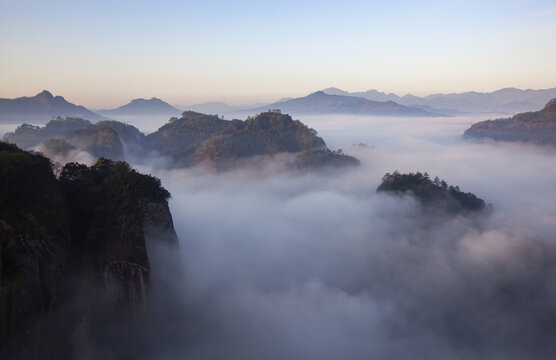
74,265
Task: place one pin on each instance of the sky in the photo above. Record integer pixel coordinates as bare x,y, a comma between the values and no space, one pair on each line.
102,54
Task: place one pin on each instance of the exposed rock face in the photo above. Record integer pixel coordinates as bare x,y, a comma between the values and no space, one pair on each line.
157,224
537,127
73,254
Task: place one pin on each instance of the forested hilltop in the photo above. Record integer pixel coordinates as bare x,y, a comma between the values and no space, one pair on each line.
73,251
206,139
191,140
434,194
538,127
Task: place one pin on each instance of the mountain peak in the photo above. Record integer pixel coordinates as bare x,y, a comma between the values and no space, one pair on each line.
334,91
551,105
44,96
142,100
140,106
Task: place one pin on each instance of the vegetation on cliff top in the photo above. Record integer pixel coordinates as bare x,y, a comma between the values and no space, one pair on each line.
432,193
29,190
62,245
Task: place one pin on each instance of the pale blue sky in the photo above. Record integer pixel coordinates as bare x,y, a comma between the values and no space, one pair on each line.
104,53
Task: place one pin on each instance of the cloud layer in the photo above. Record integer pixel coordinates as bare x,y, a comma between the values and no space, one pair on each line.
320,266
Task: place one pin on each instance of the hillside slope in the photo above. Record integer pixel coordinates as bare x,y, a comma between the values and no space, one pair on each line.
538,127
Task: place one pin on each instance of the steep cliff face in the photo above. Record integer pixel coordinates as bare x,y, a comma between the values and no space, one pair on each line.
74,265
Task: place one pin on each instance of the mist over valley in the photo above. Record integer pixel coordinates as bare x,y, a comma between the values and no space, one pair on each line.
285,180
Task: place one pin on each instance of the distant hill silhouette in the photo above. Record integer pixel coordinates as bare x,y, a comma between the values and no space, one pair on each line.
152,106
322,103
538,127
507,100
41,108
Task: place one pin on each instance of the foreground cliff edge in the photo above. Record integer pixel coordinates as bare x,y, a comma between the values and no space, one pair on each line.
74,265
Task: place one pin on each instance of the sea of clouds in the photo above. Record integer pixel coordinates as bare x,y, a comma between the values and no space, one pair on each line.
280,265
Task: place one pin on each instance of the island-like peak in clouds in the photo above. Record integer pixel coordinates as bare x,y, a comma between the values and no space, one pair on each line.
41,108
199,139
153,106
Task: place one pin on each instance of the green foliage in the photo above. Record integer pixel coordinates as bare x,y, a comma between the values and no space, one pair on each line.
57,146
324,158
266,134
97,141
91,199
198,138
435,193
127,133
28,187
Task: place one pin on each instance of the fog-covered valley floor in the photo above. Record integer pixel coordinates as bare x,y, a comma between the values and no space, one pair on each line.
319,266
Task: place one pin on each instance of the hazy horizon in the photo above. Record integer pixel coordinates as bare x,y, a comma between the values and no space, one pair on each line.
103,54
324,228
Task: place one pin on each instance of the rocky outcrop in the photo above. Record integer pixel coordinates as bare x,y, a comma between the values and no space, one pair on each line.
74,261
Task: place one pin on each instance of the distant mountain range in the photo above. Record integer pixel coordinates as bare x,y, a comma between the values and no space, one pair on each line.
321,103
216,107
538,127
41,108
44,106
508,100
142,107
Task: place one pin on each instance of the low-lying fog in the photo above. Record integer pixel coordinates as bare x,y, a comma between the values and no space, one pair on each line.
319,266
